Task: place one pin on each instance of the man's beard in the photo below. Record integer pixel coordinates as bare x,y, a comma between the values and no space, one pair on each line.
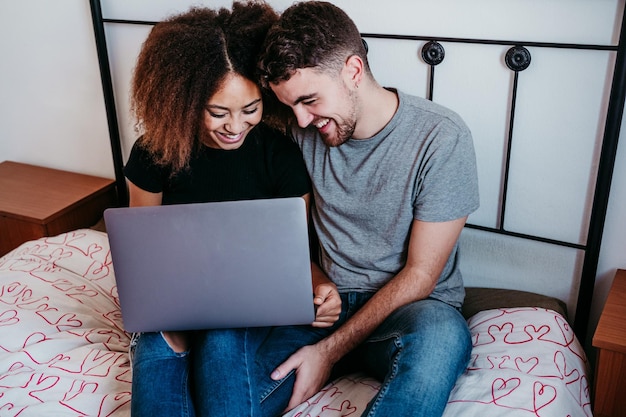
344,129
342,134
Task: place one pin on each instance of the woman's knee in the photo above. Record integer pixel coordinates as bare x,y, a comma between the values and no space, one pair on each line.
153,346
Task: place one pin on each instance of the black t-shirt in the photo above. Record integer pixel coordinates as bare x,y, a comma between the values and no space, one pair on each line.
267,165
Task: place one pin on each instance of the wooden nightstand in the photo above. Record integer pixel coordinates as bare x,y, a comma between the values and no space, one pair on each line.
610,339
37,202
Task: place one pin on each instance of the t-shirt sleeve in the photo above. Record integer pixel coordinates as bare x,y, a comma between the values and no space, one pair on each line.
448,183
141,170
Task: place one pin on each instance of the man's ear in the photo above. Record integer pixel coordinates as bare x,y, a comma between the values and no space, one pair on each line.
353,70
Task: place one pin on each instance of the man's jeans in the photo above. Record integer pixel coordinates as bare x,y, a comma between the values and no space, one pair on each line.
417,353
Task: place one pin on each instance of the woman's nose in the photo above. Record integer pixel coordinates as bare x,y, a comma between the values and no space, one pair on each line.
235,125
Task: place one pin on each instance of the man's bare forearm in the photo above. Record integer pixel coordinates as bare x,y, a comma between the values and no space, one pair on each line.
403,289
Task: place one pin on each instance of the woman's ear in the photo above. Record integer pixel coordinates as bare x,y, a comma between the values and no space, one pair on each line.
353,71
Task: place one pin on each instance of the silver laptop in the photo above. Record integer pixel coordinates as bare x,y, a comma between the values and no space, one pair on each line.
212,265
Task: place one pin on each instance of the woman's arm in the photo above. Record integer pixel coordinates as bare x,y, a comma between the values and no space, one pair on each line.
326,297
138,197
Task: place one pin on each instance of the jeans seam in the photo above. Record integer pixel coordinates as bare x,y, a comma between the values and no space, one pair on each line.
275,386
394,335
393,371
246,358
184,392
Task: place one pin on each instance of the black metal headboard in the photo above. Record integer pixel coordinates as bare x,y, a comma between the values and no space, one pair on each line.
517,59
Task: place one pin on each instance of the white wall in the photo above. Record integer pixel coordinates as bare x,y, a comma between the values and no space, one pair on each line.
52,105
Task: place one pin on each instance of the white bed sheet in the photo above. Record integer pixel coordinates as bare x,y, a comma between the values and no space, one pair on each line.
63,350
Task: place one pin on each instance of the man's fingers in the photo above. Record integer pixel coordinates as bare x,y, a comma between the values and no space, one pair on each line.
283,369
299,395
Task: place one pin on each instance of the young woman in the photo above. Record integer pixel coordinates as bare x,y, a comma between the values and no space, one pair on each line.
203,139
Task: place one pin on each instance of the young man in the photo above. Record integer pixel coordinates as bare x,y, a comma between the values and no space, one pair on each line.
394,179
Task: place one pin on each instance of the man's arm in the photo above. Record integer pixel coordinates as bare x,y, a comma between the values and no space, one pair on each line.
430,246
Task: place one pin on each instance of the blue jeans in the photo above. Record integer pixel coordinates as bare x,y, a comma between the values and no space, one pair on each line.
418,353
213,378
160,383
224,363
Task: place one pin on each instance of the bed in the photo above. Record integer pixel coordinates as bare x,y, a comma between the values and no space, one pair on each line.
64,351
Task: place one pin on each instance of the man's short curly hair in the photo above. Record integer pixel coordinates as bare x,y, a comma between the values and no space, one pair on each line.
309,34
181,65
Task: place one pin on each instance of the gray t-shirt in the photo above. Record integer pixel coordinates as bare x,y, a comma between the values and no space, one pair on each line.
368,192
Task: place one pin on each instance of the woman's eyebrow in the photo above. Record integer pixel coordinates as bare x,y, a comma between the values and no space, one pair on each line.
217,106
257,101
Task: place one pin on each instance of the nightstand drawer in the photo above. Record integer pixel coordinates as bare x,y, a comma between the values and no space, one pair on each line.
37,202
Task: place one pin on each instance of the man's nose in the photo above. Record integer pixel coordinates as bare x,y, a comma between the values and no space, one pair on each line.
303,117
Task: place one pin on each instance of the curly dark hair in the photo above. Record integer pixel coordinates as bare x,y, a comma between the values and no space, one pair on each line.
182,64
310,34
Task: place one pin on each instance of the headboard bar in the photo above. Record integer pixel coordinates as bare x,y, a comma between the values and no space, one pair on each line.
604,176
502,231
130,22
558,45
109,102
509,143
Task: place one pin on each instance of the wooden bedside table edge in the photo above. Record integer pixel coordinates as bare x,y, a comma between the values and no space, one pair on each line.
42,169
611,330
100,194
110,188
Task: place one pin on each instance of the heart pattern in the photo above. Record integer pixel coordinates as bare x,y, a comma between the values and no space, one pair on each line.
67,348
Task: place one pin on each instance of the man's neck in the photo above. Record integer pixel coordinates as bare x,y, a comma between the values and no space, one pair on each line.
377,107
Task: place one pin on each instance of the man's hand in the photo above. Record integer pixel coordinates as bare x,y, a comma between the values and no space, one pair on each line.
312,371
328,305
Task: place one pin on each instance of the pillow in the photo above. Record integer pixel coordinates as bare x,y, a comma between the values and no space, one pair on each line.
481,299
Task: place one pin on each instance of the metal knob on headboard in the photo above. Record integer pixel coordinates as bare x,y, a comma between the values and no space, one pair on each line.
517,58
433,54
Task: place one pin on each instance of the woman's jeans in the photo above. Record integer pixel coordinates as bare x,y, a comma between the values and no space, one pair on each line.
160,384
418,353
